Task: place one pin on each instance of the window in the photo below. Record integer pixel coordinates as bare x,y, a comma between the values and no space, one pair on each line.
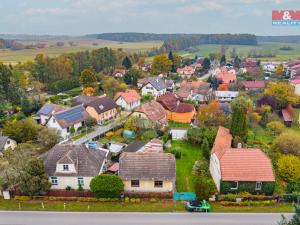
68,129
158,184
66,167
54,120
235,185
8,142
80,181
258,186
54,181
135,183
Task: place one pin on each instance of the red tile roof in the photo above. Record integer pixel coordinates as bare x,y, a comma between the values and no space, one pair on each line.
222,142
226,77
154,111
129,96
246,165
253,84
171,102
295,81
121,71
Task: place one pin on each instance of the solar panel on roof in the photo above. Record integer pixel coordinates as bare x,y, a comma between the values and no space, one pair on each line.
71,115
46,109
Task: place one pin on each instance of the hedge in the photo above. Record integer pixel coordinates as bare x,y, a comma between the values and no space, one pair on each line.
267,187
250,203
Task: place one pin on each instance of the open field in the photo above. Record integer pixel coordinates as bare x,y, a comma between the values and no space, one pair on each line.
243,50
70,45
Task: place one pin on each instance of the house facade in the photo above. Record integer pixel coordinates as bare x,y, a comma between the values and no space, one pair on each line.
68,121
153,86
226,96
73,165
148,172
128,100
296,84
237,170
253,85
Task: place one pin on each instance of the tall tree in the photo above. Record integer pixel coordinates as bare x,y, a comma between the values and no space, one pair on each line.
161,64
127,63
88,78
206,64
223,60
5,76
239,107
210,115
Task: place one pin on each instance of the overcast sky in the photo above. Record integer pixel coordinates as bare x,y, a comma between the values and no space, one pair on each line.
77,17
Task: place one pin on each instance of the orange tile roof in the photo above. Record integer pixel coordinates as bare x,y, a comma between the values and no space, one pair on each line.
129,96
246,165
226,77
222,142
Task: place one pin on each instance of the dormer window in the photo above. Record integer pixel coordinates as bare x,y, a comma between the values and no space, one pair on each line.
66,167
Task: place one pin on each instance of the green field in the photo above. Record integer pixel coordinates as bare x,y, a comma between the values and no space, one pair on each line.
9,56
243,50
189,154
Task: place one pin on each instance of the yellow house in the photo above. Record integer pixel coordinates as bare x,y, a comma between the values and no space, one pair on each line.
148,172
102,109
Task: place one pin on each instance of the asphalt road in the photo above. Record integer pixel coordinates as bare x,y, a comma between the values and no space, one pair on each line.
63,218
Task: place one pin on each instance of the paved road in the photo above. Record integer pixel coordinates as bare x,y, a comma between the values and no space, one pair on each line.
61,218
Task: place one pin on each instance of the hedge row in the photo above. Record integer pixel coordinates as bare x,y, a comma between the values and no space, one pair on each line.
53,198
159,195
250,203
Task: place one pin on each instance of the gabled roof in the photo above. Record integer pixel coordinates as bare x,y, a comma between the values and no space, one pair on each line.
87,162
148,166
295,81
83,100
253,84
71,116
49,109
156,82
102,104
170,102
222,141
226,77
129,96
134,146
154,111
246,165
121,71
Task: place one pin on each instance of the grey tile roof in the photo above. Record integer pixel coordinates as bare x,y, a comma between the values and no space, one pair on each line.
3,140
83,100
154,166
134,146
157,83
102,104
48,109
71,116
87,162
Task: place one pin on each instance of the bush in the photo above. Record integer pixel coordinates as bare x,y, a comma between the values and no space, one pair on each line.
68,188
176,153
293,187
107,186
288,167
23,198
205,187
63,85
109,134
249,203
287,142
275,128
148,135
201,168
194,135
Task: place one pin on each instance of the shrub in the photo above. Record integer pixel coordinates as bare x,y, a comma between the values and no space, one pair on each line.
288,167
68,188
80,188
205,187
201,168
176,153
153,200
275,128
107,186
249,203
287,142
194,135
293,187
23,198
148,135
109,134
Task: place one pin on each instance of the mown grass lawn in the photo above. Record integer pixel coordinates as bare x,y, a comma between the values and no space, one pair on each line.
189,154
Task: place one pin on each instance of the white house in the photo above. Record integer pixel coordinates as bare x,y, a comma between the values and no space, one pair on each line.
46,112
154,86
128,100
226,96
296,84
68,120
269,67
148,172
73,165
6,143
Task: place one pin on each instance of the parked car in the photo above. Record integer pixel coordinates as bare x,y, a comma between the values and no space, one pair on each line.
198,206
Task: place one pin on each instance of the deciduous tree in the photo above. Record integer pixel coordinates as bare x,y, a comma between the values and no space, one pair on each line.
210,115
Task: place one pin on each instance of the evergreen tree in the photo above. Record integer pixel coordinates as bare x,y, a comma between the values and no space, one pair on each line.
205,149
206,64
237,62
295,220
223,60
127,63
171,58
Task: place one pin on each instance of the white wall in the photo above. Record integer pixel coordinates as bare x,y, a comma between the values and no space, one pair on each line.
43,119
149,89
178,134
148,186
215,170
63,182
128,107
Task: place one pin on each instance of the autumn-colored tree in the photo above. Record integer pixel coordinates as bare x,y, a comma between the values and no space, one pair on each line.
141,61
89,91
283,93
88,78
210,115
110,86
288,167
279,70
123,86
161,64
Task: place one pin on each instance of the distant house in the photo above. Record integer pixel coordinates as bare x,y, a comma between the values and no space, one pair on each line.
226,77
128,100
151,114
68,120
148,172
153,86
269,67
102,109
296,84
226,96
146,66
119,72
6,143
292,68
288,114
253,85
186,72
198,91
170,84
73,165
237,170
176,110
46,112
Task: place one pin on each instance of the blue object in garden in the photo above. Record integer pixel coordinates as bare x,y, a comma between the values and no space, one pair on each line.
92,145
129,134
184,196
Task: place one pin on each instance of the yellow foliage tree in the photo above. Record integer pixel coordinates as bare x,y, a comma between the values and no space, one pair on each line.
288,167
211,114
89,91
279,70
161,64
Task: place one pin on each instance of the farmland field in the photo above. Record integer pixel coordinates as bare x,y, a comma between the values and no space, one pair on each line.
70,45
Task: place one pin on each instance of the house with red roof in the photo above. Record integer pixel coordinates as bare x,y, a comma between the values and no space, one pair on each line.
119,72
186,72
128,99
176,110
226,77
296,84
237,170
253,85
287,115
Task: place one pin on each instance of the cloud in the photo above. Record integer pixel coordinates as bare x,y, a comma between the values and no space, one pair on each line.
46,11
205,6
